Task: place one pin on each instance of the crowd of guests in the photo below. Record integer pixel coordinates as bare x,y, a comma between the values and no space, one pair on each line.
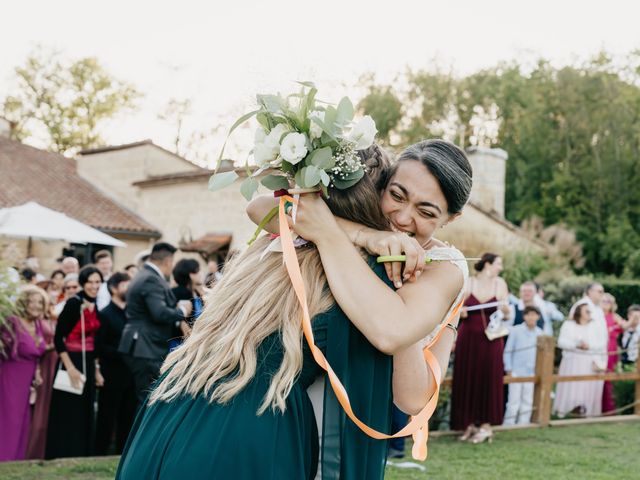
83,347
498,335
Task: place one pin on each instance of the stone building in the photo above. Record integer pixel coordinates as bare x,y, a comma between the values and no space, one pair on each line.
29,174
172,194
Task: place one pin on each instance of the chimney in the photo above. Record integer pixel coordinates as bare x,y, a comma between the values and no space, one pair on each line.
489,174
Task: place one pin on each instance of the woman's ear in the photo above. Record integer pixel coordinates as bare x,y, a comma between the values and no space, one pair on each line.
451,218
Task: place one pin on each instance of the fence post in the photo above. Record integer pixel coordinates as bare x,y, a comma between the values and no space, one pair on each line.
636,409
544,384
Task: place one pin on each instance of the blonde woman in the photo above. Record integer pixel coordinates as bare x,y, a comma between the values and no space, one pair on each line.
22,346
232,401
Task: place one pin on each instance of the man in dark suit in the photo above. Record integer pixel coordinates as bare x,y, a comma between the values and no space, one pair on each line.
152,318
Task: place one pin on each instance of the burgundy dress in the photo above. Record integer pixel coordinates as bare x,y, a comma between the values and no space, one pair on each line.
477,391
40,416
17,371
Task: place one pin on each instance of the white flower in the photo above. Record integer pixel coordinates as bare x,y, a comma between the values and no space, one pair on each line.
263,154
267,146
273,139
315,130
363,133
259,136
294,147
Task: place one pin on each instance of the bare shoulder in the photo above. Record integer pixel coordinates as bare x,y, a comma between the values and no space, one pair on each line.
503,288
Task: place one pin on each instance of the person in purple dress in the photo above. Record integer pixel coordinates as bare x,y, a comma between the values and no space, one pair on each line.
23,344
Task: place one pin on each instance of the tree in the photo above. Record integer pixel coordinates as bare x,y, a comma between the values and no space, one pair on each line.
573,138
384,107
63,102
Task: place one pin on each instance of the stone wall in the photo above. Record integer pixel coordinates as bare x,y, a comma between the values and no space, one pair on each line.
489,174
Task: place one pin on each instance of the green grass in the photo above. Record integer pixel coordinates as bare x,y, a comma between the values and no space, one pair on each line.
598,451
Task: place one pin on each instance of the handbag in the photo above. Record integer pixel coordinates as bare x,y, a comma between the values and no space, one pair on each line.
495,328
62,381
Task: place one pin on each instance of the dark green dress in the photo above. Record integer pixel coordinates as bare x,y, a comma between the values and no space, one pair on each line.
190,438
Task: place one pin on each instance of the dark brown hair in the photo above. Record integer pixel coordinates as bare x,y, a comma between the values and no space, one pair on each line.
577,313
361,203
486,258
100,254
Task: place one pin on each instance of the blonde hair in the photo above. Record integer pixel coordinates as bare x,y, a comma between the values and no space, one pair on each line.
255,299
25,294
612,299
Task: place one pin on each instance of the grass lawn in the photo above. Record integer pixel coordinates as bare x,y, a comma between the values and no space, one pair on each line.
599,451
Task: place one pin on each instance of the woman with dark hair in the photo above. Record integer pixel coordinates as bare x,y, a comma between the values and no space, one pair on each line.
21,345
578,342
189,283
477,397
71,417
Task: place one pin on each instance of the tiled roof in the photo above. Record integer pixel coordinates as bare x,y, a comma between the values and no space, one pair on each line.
208,243
29,174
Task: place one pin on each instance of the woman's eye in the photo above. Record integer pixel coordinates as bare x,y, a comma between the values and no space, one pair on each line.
396,196
427,214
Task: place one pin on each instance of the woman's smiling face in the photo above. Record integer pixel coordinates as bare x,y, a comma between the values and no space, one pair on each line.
414,203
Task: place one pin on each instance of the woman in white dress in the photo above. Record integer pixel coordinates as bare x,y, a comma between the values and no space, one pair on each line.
579,358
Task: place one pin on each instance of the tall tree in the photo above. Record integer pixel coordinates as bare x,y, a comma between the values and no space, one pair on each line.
573,138
63,102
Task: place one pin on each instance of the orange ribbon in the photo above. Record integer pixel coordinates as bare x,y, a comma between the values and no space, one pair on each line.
418,426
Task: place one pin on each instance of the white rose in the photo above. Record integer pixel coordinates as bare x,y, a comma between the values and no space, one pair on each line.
294,147
273,139
315,130
259,136
263,154
363,133
267,146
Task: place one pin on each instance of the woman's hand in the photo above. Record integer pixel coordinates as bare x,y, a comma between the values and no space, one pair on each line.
37,378
393,243
314,220
76,377
99,378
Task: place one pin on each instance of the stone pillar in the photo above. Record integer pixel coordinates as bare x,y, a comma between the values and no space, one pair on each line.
489,172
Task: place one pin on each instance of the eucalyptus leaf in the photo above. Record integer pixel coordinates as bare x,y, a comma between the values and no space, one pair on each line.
311,175
219,181
345,111
324,178
275,182
273,103
342,184
306,84
330,115
248,188
322,158
237,123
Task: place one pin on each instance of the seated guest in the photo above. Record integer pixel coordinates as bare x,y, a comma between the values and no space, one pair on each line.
520,361
21,345
117,400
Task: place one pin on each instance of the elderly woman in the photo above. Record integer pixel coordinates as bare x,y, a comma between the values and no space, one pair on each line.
22,342
71,417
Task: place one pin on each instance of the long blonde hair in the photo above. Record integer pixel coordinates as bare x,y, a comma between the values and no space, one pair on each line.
254,299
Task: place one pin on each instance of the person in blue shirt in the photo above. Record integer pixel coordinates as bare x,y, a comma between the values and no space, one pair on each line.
520,361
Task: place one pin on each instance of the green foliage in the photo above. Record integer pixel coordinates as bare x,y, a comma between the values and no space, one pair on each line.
573,138
384,107
626,292
624,391
520,266
66,99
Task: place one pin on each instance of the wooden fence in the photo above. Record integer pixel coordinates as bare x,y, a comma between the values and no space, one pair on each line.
545,378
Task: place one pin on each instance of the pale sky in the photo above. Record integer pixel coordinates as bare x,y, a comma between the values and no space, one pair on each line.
219,54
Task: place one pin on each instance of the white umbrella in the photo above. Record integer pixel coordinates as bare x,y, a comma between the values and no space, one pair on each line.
32,220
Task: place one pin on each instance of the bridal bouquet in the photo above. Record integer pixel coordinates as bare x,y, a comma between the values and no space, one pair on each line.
305,142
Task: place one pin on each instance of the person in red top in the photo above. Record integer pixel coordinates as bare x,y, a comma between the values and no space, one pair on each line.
615,327
71,417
